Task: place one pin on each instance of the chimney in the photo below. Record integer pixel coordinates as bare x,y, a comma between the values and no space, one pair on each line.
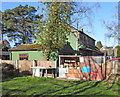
81,29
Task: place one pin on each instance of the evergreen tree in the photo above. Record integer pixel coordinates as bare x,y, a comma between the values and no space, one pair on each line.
19,23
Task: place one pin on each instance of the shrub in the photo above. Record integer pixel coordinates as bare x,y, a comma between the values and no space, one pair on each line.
8,71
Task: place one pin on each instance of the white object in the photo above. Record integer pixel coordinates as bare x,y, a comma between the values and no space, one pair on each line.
78,67
38,71
61,66
81,59
62,72
66,70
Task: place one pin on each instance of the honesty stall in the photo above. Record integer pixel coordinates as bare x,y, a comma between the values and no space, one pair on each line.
82,67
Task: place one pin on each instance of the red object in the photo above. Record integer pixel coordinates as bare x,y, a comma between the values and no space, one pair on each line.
113,59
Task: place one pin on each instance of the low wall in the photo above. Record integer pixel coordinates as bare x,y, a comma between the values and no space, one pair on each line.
25,65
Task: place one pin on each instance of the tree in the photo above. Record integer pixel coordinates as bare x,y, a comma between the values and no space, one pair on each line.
53,31
99,45
1,27
113,26
19,23
5,45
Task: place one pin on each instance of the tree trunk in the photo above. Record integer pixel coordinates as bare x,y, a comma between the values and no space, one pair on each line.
1,38
45,56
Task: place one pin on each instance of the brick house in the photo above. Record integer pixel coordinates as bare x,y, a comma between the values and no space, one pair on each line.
109,51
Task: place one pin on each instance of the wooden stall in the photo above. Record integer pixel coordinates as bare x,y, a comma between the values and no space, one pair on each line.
82,67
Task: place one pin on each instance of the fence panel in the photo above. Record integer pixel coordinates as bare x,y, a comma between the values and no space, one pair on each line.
112,68
24,66
46,64
12,62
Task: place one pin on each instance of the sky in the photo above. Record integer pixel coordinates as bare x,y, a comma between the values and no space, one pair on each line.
98,30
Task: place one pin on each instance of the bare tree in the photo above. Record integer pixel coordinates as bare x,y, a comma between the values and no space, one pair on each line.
113,26
84,15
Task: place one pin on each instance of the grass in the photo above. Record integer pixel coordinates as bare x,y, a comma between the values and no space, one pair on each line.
41,86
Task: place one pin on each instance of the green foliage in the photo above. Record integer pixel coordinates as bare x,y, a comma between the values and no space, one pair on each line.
53,30
118,54
99,45
8,72
19,23
5,45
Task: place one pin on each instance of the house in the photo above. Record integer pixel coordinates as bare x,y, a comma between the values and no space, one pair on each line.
109,52
26,52
4,53
86,47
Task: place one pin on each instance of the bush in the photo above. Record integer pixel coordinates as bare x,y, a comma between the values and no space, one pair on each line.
8,71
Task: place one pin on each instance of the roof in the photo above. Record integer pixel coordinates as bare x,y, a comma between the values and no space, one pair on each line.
75,31
27,47
107,47
90,46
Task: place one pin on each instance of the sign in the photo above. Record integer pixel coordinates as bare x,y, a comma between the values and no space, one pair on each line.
86,69
81,59
69,60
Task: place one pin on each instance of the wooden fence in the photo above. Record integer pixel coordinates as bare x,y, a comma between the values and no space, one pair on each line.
112,68
25,65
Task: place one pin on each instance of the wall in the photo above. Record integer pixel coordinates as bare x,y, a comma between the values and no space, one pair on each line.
25,65
33,55
72,39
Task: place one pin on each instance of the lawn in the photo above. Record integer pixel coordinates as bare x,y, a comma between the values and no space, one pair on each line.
41,86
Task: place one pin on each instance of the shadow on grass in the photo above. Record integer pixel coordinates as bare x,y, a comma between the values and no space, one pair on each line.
62,88
87,88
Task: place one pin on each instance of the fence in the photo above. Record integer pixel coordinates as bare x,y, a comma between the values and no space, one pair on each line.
112,68
25,65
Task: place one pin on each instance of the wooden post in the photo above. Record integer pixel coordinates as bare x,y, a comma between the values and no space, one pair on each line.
52,73
16,64
116,68
104,67
41,72
113,67
55,64
33,72
46,73
33,63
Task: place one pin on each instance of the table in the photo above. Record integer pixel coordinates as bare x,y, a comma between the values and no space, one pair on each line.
38,70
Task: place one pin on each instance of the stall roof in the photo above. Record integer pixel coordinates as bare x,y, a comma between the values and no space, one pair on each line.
69,55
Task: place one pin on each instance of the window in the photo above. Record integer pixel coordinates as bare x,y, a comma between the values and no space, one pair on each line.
99,60
81,36
23,56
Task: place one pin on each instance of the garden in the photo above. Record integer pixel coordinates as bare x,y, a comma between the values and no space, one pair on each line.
27,85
